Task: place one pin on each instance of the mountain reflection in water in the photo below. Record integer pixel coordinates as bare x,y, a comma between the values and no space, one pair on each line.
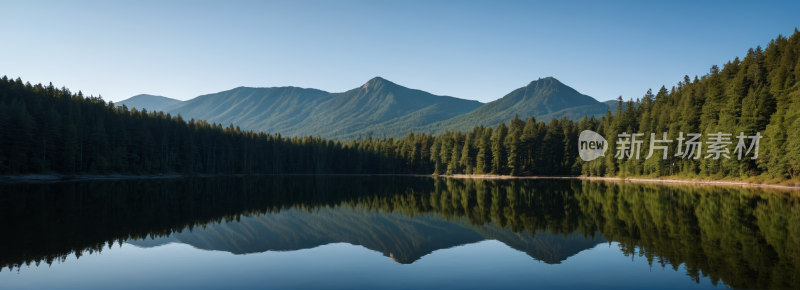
404,239
744,238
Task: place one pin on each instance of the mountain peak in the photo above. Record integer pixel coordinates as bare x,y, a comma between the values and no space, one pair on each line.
375,82
150,102
543,98
545,81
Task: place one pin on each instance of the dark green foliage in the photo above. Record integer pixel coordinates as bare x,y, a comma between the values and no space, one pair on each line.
484,157
758,93
55,130
59,131
499,156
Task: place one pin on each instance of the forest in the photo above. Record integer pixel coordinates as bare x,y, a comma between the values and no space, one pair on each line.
44,129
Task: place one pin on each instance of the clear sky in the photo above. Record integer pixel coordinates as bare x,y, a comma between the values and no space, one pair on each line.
471,50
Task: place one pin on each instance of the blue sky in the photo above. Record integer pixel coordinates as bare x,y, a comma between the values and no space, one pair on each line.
473,50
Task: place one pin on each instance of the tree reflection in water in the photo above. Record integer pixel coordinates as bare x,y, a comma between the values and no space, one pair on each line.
745,238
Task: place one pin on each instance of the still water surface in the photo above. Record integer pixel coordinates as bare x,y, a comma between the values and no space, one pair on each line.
395,233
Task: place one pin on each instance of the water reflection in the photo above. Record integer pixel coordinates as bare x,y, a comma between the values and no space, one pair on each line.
744,238
402,238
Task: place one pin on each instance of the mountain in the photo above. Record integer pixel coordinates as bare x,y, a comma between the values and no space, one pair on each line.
597,110
378,108
612,105
544,99
260,109
292,111
149,102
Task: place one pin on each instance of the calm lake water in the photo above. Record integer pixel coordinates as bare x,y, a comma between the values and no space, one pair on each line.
349,232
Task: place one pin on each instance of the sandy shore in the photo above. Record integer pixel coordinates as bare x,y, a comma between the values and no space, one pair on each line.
650,180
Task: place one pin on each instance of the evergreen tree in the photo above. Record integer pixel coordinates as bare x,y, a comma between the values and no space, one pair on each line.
513,144
484,160
466,155
499,161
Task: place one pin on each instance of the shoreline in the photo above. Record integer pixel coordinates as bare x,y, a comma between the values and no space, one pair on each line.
629,179
53,178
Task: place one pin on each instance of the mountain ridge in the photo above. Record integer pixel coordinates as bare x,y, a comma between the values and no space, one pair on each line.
149,102
294,111
380,108
544,99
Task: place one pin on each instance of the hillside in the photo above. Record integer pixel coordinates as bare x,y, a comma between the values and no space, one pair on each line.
295,111
149,102
379,101
544,99
612,105
260,109
379,108
597,110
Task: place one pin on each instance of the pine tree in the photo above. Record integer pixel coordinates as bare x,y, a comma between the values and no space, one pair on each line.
528,144
435,157
70,146
23,132
513,144
466,155
3,132
553,148
454,166
484,160
499,161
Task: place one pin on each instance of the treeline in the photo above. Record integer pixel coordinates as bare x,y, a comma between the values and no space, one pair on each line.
759,93
44,129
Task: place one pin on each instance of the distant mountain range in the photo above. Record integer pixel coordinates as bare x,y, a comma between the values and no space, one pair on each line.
543,99
378,108
150,102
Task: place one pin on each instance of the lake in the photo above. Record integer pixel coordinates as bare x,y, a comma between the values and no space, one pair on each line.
379,232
